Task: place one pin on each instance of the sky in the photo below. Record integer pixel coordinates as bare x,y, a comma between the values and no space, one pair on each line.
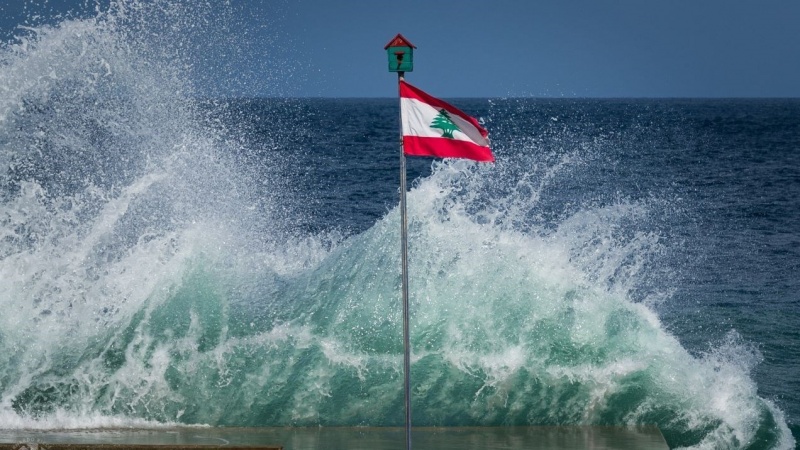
505,48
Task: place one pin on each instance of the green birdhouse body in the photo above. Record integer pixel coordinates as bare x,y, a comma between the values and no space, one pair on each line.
401,54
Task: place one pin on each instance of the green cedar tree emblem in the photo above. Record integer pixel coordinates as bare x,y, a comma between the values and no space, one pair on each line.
443,122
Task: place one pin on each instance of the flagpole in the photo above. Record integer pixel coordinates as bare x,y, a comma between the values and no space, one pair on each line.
404,258
400,53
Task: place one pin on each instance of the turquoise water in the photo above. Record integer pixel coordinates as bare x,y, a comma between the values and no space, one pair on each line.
167,260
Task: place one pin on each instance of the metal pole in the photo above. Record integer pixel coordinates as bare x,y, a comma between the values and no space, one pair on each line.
404,250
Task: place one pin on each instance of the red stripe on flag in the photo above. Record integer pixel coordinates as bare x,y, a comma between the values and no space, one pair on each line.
409,91
445,148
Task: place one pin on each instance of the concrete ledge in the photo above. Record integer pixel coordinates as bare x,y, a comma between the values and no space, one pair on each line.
341,438
127,447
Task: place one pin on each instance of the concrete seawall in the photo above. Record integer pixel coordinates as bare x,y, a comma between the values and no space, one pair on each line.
377,438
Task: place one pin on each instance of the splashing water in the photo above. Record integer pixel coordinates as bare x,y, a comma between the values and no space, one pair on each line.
139,289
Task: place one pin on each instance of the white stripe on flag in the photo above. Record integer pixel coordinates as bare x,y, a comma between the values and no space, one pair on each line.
417,117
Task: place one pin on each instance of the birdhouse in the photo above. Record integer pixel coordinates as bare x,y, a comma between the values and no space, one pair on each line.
401,54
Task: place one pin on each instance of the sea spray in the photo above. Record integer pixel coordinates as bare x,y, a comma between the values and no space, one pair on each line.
108,182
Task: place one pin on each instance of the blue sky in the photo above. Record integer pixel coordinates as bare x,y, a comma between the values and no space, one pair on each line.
543,48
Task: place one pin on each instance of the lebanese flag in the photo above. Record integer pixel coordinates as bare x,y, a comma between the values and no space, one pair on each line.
435,128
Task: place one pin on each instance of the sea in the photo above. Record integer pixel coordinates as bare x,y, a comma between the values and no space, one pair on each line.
170,258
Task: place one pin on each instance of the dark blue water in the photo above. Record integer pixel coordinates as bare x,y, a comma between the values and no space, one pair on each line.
168,259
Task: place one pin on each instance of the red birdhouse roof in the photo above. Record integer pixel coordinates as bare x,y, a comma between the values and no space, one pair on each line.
399,41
